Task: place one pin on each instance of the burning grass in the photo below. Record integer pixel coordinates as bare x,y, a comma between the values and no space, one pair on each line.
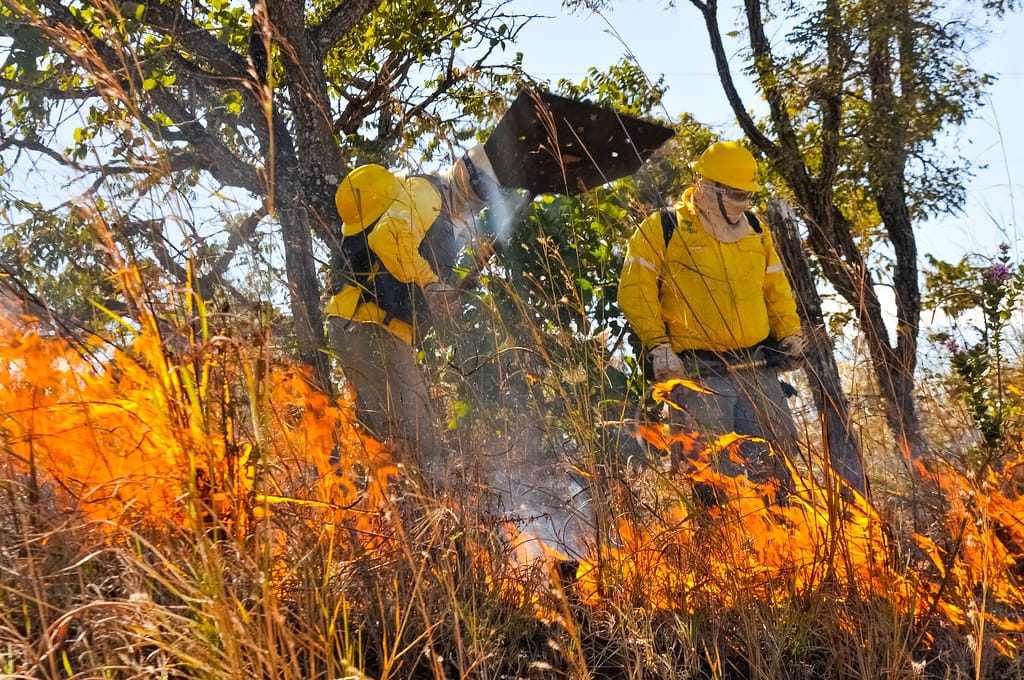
210,514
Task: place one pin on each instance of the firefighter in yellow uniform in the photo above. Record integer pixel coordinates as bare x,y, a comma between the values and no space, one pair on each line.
705,292
401,238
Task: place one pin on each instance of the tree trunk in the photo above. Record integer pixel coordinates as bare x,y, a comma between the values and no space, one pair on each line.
304,292
307,169
844,451
830,238
890,65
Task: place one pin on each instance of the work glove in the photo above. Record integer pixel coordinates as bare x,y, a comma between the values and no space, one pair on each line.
482,177
791,348
444,301
666,363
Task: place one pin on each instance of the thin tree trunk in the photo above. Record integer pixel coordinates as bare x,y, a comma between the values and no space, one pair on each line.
890,65
843,446
304,292
306,173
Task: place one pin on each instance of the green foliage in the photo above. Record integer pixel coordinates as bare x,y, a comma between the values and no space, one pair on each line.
979,297
57,259
152,109
900,80
405,52
564,260
625,87
547,323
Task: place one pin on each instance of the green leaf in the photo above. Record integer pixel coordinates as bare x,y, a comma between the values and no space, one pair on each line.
459,411
148,84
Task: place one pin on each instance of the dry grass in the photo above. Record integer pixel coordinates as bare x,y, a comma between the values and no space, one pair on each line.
188,507
208,515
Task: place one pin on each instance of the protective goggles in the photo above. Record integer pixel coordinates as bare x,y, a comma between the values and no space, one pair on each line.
727,192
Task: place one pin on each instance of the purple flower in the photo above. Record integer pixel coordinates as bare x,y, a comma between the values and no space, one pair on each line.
953,347
998,273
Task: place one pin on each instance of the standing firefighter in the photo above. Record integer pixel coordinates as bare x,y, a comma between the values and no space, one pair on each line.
704,290
402,237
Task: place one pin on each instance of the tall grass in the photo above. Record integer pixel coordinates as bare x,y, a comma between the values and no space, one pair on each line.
190,507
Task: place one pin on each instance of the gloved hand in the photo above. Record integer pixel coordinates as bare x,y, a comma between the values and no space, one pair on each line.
444,301
482,176
666,363
792,349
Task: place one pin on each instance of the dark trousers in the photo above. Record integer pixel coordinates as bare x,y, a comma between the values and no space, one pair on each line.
392,399
748,401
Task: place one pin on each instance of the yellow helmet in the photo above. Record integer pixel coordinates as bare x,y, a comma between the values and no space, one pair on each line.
730,164
364,195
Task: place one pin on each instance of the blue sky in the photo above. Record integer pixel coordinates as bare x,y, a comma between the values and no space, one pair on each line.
672,42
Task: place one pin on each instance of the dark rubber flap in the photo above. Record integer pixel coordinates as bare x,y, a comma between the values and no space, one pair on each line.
549,144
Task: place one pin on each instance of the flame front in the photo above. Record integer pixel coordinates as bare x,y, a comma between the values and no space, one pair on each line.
139,439
134,437
745,545
822,540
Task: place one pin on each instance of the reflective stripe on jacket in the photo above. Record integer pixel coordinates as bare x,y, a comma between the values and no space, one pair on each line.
700,293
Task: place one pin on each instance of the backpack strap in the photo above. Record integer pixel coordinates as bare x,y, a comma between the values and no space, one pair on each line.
754,223
669,223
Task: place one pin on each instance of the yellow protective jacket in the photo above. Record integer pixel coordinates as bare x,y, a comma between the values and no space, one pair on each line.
400,248
700,293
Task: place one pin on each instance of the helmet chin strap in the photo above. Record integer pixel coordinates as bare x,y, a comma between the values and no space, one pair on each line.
725,213
714,215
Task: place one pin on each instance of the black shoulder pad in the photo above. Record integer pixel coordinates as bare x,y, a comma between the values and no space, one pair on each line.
755,223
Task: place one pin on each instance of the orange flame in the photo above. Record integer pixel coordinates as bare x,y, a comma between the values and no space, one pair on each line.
748,547
139,437
136,435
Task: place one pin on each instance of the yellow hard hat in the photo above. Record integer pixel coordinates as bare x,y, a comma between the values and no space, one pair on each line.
364,195
730,164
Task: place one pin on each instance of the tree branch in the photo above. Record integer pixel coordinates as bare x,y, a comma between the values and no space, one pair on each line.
358,108
208,150
48,92
238,237
830,94
764,64
162,247
340,21
709,11
215,157
163,19
39,147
